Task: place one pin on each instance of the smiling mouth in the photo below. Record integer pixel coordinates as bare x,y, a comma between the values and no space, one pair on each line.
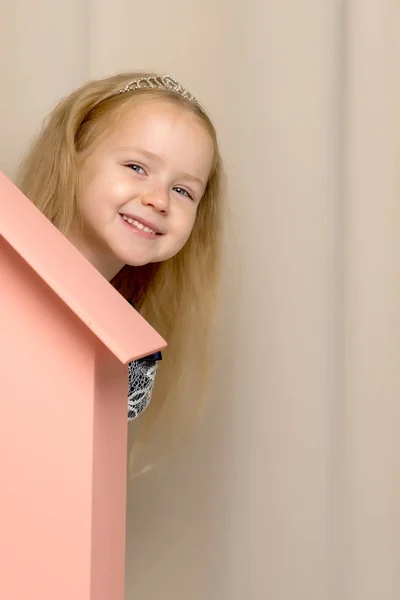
139,226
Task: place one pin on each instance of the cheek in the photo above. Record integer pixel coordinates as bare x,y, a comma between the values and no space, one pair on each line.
119,190
103,197
186,225
188,219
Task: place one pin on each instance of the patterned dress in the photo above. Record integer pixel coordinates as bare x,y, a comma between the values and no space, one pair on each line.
141,377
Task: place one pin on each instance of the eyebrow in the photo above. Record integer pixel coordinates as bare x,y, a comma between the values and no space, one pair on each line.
159,160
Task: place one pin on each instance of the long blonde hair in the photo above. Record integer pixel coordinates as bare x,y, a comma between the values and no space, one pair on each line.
178,297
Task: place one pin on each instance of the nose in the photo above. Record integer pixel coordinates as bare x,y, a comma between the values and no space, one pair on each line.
157,199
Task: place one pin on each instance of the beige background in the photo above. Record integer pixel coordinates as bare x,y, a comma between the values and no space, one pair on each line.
290,487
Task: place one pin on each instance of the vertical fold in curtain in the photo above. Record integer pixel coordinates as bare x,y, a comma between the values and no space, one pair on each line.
371,542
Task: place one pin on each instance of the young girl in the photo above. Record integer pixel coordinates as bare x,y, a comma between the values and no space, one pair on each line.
128,169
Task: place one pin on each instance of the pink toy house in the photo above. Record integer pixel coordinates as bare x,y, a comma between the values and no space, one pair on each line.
66,337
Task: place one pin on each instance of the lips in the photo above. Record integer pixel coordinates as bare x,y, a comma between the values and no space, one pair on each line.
141,224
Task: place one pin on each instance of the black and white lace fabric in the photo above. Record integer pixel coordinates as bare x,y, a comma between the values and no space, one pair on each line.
141,377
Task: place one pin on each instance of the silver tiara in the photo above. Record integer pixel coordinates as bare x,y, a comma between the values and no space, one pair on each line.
163,82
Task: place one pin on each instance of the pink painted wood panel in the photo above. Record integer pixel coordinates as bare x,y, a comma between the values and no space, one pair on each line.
63,414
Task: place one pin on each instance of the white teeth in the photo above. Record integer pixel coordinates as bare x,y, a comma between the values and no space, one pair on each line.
138,225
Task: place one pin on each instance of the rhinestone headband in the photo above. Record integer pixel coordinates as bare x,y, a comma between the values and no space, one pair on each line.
163,82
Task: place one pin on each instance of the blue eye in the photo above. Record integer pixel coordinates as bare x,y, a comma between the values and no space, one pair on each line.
137,168
183,192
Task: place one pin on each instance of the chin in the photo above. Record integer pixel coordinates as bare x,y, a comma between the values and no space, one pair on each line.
140,258
132,258
137,262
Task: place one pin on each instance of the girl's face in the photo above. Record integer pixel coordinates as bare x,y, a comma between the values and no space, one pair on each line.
141,185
